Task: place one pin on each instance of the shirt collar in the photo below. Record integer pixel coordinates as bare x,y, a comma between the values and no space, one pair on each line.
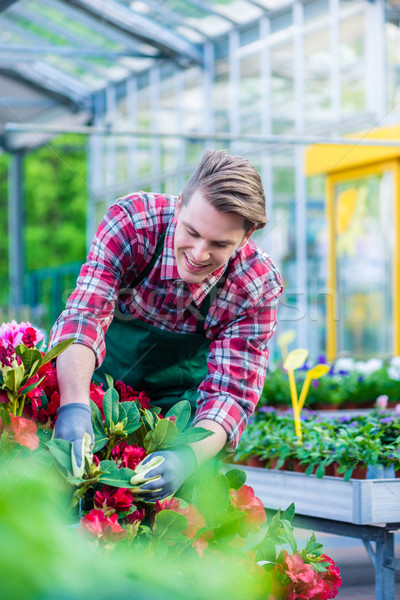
169,269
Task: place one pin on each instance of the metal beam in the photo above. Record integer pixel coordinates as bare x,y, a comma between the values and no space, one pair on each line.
15,230
191,135
29,52
4,4
139,27
173,16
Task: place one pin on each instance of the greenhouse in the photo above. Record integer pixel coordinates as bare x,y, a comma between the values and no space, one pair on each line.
101,99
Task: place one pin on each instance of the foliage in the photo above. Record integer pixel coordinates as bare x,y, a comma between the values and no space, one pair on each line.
196,538
349,440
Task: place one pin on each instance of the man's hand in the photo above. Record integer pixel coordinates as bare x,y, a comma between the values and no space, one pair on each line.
162,473
74,424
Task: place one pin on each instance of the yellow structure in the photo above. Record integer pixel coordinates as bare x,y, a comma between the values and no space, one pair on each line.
363,216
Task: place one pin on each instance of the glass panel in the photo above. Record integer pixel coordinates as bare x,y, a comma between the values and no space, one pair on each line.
317,64
250,93
282,88
220,90
191,118
317,265
392,32
353,64
281,235
364,243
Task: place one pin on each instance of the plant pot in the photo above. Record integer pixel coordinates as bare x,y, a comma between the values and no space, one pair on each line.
256,461
359,472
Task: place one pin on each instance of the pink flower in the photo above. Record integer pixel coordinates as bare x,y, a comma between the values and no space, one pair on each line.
382,401
24,432
13,332
111,499
102,527
96,394
331,577
397,409
132,456
244,499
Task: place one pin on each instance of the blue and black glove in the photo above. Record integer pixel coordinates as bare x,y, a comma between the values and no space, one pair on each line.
74,424
162,473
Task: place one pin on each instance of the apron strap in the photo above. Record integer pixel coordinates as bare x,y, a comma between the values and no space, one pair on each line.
150,265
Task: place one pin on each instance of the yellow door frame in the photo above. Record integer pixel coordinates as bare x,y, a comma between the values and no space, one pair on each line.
331,302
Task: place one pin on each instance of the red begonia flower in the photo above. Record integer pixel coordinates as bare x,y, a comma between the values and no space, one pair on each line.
331,577
244,499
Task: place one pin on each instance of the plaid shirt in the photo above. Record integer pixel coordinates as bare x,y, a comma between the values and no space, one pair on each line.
239,323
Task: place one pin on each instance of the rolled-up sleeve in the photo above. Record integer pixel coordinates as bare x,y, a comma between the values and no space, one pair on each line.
90,308
237,364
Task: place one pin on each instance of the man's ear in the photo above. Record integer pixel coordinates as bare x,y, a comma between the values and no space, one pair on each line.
247,236
178,203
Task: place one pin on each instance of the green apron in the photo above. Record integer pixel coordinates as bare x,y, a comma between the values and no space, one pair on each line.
168,366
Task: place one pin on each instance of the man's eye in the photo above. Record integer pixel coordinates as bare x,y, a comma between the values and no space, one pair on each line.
192,233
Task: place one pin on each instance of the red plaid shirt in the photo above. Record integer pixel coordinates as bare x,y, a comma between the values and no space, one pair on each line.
239,323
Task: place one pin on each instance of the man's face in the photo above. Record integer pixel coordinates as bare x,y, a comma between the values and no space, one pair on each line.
205,238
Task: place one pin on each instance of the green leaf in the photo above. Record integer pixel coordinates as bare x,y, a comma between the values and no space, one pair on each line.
169,524
320,472
56,350
266,550
14,377
289,513
110,380
61,452
132,427
111,407
213,499
32,386
114,476
191,435
129,410
96,414
32,360
289,535
163,436
181,410
149,418
20,349
236,478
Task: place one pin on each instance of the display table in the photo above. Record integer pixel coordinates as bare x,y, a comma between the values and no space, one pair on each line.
365,509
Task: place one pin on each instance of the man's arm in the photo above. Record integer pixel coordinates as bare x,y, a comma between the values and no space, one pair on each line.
211,446
75,368
74,417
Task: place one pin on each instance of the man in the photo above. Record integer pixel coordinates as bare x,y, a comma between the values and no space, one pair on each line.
194,302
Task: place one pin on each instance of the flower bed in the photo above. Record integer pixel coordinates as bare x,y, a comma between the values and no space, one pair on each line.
343,445
348,384
209,519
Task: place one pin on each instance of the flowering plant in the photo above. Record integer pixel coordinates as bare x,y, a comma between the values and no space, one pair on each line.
212,514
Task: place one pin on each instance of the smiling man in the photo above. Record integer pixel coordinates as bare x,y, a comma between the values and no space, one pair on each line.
177,300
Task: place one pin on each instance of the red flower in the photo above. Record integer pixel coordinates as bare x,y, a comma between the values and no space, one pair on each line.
96,394
132,456
49,384
304,582
135,517
244,499
24,432
113,499
331,577
36,392
6,354
128,394
172,504
3,397
54,404
29,337
102,527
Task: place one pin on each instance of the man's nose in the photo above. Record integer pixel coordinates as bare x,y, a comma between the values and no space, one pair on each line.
201,252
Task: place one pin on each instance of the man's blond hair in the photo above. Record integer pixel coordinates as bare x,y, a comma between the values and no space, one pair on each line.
230,184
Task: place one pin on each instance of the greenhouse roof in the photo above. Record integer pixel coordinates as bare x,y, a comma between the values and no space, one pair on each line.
54,54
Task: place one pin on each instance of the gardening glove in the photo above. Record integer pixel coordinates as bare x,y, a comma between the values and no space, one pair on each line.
74,424
162,473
